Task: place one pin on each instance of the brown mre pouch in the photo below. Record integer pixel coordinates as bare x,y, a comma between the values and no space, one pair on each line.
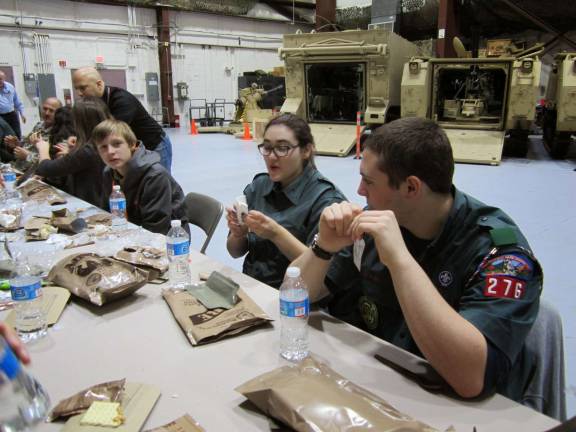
38,191
181,424
67,222
150,259
96,278
203,325
112,391
312,397
99,219
38,228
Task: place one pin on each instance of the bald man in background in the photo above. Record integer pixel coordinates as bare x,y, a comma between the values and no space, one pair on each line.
27,154
10,105
124,106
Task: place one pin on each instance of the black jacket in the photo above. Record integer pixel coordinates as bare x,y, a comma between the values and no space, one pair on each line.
153,198
6,154
124,106
83,169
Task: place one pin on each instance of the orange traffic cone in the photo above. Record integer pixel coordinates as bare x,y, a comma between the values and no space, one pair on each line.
193,128
247,136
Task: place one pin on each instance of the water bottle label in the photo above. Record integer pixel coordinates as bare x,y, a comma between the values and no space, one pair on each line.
26,292
298,309
9,364
117,205
9,176
175,249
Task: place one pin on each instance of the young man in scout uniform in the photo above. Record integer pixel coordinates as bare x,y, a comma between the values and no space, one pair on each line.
425,266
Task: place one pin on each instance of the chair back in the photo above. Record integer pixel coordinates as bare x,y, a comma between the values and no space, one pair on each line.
542,372
204,212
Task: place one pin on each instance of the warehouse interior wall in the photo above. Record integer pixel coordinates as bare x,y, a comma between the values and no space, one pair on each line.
209,51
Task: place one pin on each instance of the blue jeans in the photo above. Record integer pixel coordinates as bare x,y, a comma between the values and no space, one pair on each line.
164,149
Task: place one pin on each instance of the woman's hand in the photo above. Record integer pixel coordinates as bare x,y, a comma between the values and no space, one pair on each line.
235,228
262,225
62,149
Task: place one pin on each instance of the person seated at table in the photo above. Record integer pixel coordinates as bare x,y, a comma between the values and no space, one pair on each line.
26,154
153,197
81,166
284,203
62,139
63,136
440,274
6,153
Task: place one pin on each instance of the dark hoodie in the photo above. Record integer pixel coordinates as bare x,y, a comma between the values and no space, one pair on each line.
153,198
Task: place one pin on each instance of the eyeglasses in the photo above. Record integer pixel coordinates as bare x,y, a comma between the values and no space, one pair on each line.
279,151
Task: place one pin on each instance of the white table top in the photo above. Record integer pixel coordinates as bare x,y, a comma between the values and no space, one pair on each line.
137,338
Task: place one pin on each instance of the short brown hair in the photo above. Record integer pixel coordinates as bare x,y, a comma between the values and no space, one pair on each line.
414,146
113,127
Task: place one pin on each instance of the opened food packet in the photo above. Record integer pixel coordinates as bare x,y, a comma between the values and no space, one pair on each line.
152,260
112,391
36,190
181,424
96,278
203,325
312,397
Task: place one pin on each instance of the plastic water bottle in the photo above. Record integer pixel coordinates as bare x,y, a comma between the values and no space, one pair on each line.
118,205
294,312
178,249
9,177
23,400
26,291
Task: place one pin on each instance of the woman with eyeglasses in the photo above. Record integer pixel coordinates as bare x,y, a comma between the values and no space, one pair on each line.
284,203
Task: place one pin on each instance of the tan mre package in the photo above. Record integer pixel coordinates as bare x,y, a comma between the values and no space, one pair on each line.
203,325
181,424
312,397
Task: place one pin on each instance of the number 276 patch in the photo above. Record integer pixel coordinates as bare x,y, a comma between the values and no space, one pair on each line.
504,287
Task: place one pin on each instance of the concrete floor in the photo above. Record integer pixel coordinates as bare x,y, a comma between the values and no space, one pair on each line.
537,192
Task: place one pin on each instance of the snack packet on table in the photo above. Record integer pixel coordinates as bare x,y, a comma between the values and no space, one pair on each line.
96,278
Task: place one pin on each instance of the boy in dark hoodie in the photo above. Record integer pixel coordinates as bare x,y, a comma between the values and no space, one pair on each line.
153,197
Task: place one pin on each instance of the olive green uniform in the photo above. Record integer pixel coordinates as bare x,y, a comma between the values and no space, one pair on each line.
480,263
296,207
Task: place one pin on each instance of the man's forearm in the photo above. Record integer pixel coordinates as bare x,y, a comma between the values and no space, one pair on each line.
452,345
313,271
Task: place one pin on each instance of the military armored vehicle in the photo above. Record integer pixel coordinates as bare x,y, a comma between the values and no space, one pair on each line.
559,119
478,101
330,77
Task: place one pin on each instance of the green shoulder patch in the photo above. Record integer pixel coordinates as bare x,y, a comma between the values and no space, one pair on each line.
503,236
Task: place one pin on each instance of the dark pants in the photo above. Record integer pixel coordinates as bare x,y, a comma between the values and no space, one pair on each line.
13,120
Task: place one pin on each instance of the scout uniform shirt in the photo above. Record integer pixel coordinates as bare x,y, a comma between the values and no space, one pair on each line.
296,207
480,264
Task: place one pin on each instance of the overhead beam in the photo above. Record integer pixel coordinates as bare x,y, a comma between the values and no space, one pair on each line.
539,22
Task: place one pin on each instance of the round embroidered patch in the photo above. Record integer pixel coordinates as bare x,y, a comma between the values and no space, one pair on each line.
369,312
445,278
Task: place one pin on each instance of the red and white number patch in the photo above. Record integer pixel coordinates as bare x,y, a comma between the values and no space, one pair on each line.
504,287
